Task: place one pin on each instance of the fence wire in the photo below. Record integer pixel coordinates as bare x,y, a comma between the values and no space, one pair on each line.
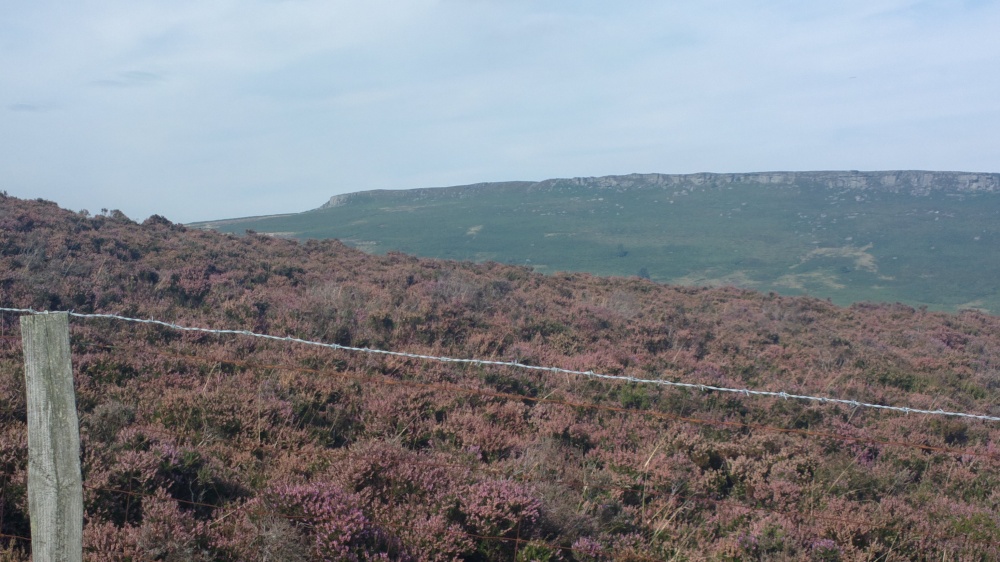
485,362
685,499
458,389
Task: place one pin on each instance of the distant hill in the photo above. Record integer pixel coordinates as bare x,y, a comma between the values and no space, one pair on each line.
922,238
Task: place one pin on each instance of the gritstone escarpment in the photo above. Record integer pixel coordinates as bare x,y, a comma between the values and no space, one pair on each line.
924,238
914,182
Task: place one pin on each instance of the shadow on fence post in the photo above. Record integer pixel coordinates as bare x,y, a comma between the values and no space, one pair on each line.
55,487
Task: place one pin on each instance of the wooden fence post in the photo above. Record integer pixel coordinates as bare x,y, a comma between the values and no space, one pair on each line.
55,487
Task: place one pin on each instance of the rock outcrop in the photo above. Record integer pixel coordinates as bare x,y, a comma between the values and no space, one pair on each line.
914,182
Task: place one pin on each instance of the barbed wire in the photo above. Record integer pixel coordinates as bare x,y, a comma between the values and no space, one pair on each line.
16,537
697,498
514,364
511,396
572,483
458,389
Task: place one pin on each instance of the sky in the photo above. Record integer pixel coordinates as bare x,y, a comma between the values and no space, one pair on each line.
208,109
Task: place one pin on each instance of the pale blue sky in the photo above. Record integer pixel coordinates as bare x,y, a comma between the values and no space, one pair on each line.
221,108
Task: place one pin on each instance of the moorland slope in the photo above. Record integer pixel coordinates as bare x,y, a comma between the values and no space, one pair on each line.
212,447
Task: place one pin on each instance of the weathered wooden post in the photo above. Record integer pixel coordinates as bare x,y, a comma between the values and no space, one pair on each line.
55,487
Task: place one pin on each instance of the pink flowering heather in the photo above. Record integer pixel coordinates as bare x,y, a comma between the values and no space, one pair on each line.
299,453
334,523
500,508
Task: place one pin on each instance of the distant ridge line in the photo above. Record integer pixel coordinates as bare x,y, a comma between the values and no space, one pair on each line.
917,182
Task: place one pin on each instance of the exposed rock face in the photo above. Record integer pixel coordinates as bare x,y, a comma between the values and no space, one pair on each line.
914,182
337,200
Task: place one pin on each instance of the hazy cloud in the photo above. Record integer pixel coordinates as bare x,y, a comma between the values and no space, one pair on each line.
28,108
130,79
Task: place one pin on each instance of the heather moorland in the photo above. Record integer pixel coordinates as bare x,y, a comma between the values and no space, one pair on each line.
215,447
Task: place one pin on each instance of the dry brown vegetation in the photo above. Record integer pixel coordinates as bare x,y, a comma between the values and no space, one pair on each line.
202,447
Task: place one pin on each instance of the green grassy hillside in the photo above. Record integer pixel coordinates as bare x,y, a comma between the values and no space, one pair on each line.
922,238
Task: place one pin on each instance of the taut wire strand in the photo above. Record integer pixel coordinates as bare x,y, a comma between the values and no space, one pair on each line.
514,364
